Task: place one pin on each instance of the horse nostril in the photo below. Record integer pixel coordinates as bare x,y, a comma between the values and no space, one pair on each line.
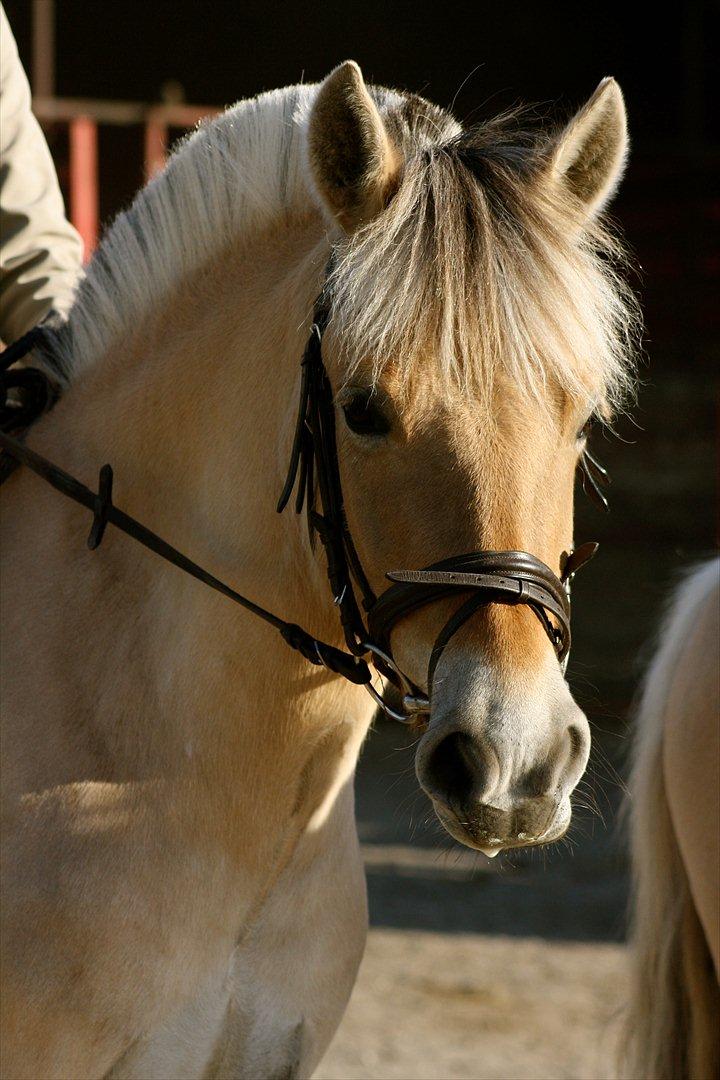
577,741
457,770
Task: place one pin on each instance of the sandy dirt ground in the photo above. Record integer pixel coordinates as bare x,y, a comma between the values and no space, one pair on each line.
480,969
429,1006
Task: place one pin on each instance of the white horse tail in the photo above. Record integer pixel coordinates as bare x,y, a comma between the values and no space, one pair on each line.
672,1023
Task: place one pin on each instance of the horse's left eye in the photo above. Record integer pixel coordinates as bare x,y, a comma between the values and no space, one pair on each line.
364,416
585,430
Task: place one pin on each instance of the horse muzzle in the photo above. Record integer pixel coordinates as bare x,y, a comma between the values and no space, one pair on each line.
498,762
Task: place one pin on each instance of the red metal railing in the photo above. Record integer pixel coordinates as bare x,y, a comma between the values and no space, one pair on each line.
84,197
83,116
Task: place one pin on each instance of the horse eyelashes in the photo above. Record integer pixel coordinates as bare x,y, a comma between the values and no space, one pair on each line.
594,478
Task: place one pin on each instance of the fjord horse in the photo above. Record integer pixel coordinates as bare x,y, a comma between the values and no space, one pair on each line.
183,892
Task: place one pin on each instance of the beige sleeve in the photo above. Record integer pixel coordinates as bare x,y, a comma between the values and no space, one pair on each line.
40,251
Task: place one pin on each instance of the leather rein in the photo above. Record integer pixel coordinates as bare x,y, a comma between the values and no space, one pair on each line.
481,577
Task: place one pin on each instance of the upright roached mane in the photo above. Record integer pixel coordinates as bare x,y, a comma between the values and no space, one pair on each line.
477,253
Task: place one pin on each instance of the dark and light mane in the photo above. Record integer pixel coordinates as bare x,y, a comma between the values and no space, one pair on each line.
478,266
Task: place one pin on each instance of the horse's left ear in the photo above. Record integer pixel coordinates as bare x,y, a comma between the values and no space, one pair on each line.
354,163
589,157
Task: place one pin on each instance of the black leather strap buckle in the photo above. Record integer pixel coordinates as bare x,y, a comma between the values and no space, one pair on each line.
27,394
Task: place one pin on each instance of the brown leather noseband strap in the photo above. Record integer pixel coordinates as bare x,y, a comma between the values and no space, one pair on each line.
491,577
504,577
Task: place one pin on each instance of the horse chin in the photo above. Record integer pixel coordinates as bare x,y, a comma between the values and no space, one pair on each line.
491,846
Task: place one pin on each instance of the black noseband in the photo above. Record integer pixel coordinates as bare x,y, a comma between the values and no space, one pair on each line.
491,577
502,577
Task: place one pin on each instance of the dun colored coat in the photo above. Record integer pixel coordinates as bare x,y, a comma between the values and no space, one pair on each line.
183,893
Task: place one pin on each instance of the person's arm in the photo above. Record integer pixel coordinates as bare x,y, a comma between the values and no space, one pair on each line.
40,251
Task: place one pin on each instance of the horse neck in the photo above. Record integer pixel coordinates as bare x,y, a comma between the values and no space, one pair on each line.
195,412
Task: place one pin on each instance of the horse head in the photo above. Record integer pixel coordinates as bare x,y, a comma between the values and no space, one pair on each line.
476,328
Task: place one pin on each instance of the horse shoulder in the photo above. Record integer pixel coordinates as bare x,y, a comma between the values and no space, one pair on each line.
110,923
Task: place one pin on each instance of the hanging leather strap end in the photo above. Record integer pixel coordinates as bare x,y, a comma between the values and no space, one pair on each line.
577,558
103,503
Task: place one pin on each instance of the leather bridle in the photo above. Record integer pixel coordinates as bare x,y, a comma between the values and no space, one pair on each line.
482,577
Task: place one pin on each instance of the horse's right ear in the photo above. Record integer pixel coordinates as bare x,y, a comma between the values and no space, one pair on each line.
588,159
355,166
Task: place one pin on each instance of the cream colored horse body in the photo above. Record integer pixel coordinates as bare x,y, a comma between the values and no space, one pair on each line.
672,1030
272,1009
152,829
182,891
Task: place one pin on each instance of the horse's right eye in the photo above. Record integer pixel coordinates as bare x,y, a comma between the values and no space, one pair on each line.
364,416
